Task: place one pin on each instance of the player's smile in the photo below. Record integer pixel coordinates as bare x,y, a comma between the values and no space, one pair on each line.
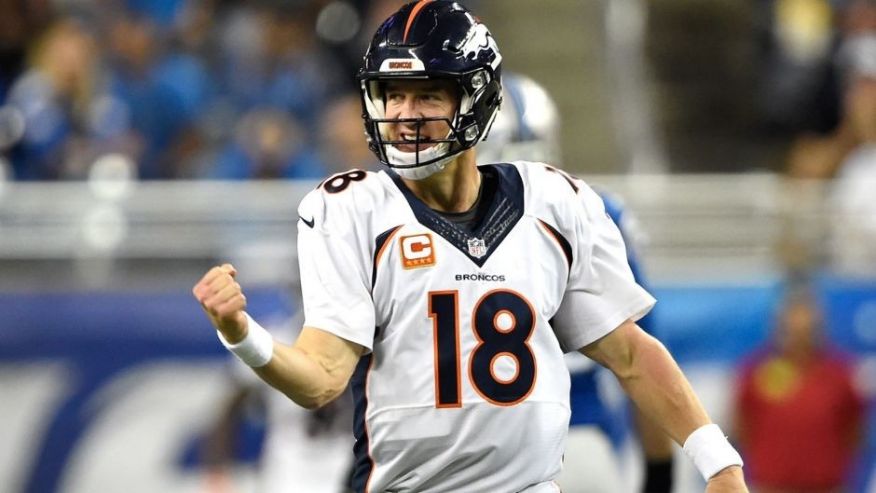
418,143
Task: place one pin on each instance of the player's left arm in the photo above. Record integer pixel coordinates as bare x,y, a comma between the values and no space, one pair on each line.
656,445
655,383
597,314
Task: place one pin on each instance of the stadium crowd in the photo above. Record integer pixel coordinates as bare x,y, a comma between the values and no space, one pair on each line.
239,89
224,89
182,88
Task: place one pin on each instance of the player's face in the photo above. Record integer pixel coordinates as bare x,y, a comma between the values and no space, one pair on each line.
410,99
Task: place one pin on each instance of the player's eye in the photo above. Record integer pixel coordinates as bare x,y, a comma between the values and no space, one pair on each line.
430,97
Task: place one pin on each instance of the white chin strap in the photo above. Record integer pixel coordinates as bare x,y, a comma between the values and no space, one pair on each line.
401,158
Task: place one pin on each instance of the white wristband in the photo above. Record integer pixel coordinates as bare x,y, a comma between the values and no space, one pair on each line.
710,451
256,349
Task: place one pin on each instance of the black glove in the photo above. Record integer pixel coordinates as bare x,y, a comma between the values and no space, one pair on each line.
658,476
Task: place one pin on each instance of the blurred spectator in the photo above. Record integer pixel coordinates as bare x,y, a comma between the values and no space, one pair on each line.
91,90
59,113
195,29
164,84
342,137
854,239
19,22
796,399
161,12
848,153
272,57
796,82
702,55
268,143
823,155
163,92
737,82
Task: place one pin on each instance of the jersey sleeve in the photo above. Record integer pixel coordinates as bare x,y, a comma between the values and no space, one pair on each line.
601,292
334,281
634,238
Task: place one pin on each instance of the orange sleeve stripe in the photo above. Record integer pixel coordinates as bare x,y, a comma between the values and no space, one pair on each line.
413,15
559,241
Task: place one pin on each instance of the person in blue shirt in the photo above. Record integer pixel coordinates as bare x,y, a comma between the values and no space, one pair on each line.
527,127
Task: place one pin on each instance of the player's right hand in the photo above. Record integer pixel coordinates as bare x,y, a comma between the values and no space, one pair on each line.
222,299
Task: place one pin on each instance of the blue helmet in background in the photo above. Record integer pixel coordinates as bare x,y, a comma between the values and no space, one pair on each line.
527,127
432,40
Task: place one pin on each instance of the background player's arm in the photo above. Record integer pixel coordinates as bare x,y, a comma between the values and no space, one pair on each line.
657,449
312,372
653,380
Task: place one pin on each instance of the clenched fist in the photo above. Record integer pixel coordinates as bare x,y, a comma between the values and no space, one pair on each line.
223,300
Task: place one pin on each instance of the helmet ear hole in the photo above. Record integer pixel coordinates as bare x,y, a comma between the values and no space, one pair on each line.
494,99
491,100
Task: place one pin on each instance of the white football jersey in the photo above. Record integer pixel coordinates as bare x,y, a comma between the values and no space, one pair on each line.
464,387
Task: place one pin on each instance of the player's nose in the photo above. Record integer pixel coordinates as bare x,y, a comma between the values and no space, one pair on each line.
409,109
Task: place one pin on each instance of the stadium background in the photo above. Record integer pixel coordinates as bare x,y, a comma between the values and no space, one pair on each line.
109,373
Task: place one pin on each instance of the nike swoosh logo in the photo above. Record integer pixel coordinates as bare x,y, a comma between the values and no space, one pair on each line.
308,223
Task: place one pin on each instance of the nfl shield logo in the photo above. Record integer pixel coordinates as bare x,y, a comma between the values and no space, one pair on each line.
477,248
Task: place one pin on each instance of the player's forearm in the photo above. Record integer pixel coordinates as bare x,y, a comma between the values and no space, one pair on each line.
660,390
301,377
656,384
652,379
656,444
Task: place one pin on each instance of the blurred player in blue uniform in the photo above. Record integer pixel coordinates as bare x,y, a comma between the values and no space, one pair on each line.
527,127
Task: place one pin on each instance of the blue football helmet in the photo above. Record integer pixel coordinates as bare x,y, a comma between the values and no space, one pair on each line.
431,39
526,128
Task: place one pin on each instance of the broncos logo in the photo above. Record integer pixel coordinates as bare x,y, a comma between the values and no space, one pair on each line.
477,41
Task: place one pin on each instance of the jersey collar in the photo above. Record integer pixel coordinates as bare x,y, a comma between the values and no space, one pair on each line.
505,209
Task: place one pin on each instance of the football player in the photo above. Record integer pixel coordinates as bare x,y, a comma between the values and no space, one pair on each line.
527,127
446,293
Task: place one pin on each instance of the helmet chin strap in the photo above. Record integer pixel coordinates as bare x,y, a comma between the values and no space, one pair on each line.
401,158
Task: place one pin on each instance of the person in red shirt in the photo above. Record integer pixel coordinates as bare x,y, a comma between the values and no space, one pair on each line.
798,413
